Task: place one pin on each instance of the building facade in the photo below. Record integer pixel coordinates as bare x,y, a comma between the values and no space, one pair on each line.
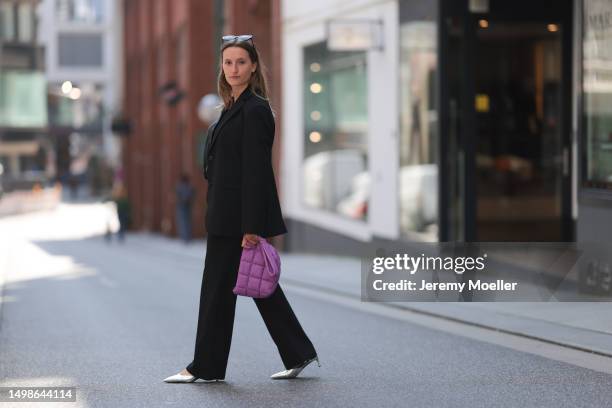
471,120
25,149
83,62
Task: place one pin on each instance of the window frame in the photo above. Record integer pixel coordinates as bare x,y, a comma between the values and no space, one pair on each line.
587,187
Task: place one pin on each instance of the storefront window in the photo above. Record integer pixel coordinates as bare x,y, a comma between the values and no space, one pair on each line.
418,172
335,176
597,89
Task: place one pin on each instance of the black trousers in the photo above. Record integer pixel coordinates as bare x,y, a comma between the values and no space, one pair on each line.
216,316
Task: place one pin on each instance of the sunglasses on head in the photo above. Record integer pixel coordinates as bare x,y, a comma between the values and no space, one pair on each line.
237,38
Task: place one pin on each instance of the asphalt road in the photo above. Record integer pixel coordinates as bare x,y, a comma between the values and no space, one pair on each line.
115,320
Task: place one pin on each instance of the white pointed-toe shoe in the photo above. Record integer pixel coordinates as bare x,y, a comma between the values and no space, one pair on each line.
182,378
293,372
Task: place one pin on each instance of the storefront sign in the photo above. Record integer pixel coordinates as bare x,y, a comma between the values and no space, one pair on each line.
598,29
354,35
479,6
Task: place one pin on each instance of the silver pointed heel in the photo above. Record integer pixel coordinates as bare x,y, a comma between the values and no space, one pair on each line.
294,372
180,378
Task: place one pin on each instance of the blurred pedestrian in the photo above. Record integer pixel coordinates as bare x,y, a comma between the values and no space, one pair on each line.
120,198
243,208
184,198
73,184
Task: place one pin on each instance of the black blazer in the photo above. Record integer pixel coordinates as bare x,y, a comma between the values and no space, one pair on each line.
242,195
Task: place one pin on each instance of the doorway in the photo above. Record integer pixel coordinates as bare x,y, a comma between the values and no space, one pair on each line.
508,118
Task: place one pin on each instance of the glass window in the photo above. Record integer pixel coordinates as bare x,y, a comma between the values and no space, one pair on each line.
80,11
7,22
25,13
23,99
418,173
80,50
335,176
597,88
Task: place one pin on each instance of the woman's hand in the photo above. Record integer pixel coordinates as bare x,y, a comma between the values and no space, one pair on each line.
250,240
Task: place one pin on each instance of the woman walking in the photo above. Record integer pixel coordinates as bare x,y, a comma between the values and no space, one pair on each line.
243,207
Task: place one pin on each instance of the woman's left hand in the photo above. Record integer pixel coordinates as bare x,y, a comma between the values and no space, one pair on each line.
249,240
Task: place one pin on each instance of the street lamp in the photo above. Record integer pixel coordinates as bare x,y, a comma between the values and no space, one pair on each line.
208,111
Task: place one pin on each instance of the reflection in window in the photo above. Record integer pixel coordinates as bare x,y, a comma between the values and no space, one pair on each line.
7,22
25,14
597,87
82,11
418,173
335,124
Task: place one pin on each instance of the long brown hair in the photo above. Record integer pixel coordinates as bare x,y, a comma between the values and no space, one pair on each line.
258,83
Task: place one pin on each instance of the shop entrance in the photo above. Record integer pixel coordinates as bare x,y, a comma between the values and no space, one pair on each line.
508,110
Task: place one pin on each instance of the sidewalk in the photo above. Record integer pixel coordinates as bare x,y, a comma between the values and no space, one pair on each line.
19,202
584,326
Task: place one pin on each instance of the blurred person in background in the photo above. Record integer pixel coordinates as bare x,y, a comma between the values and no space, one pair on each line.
243,208
184,198
73,184
122,205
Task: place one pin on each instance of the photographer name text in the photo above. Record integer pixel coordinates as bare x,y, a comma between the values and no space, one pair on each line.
423,285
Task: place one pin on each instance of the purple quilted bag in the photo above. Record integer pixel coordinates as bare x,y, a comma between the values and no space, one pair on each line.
259,271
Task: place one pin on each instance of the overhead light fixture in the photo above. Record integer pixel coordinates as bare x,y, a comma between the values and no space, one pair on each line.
315,137
75,93
66,87
316,87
